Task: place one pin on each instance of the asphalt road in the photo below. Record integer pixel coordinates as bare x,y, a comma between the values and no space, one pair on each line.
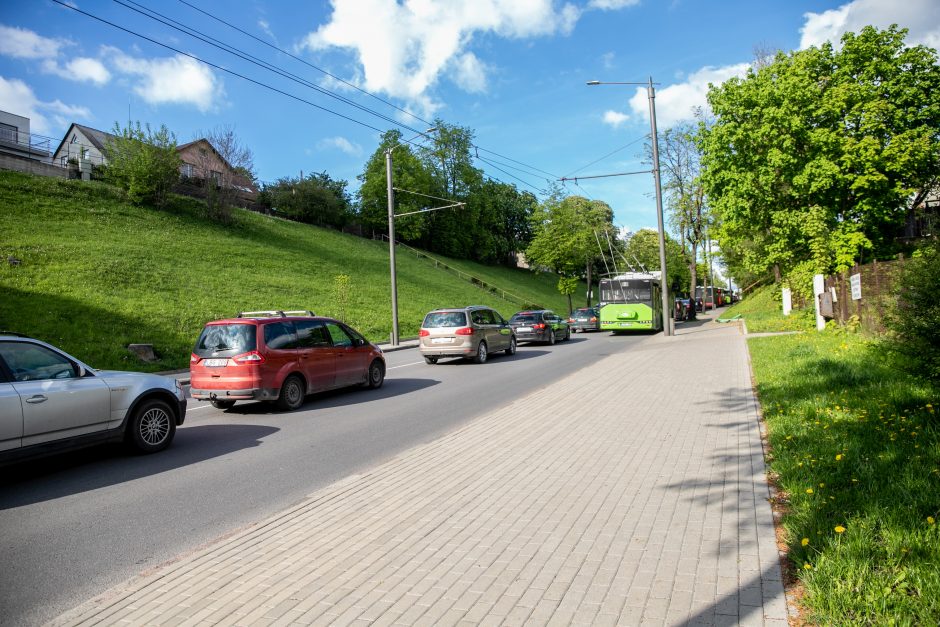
76,525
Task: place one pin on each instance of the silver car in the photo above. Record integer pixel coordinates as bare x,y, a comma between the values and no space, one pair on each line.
471,332
50,401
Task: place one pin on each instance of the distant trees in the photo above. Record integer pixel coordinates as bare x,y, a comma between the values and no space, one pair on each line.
314,199
221,179
143,162
643,247
820,154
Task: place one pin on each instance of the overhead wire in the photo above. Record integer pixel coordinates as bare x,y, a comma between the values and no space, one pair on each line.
609,154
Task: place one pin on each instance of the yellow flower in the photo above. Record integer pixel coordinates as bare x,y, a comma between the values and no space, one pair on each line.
805,541
839,457
809,490
822,485
930,520
807,566
840,529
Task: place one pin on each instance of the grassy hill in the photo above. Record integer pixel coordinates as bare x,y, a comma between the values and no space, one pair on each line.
96,273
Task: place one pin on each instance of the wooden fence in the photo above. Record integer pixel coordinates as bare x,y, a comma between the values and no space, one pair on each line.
876,280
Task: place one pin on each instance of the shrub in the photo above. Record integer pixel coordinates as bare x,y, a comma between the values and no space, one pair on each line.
142,162
915,323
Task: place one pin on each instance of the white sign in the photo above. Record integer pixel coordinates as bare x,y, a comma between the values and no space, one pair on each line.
819,286
787,301
856,281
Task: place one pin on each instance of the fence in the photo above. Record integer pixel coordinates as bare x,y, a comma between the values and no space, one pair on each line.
874,292
483,285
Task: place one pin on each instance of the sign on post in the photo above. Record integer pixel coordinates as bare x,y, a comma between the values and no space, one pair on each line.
787,301
856,282
819,286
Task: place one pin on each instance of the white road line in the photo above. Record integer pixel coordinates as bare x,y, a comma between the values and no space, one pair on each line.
414,363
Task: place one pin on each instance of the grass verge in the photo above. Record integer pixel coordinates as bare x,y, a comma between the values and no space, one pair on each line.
95,273
763,313
855,451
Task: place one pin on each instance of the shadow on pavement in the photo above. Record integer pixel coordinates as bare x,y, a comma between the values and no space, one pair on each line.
101,466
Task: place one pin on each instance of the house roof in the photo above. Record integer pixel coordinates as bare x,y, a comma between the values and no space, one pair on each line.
98,139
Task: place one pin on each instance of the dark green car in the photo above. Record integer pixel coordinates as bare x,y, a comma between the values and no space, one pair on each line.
541,325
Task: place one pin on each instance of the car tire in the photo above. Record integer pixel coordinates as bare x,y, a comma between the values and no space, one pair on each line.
223,405
512,346
292,394
551,337
376,374
152,426
481,353
567,334
430,360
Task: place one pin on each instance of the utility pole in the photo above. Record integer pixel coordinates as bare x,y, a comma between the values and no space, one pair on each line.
391,242
664,286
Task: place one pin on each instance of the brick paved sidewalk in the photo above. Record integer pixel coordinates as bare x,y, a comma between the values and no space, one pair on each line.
631,493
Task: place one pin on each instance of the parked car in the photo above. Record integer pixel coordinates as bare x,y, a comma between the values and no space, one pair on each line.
472,332
539,326
51,402
280,356
684,309
585,319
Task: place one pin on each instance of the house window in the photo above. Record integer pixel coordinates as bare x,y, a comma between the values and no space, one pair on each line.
8,133
187,170
216,177
74,139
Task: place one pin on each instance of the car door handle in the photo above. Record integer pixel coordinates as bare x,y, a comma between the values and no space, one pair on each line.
38,398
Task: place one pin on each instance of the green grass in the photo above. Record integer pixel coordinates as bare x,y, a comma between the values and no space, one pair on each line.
763,313
97,273
855,450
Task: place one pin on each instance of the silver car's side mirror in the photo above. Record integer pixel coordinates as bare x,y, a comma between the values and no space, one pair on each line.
82,371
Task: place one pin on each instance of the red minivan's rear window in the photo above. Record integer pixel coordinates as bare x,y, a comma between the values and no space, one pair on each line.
226,340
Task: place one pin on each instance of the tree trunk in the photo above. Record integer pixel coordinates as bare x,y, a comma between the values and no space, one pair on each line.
777,277
589,284
570,308
693,268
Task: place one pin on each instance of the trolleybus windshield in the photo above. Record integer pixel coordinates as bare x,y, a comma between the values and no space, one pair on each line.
626,292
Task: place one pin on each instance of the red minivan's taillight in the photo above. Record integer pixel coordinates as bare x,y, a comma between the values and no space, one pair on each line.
193,358
254,357
464,331
424,333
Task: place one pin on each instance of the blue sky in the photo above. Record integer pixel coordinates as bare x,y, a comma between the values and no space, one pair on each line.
514,71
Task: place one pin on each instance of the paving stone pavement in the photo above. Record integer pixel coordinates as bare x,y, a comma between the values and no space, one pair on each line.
630,493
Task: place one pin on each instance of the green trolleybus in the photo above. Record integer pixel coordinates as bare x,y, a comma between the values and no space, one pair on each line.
631,301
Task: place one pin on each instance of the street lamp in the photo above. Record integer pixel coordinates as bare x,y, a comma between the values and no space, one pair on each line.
667,310
391,231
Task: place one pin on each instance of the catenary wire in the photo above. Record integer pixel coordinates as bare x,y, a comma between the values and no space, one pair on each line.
609,154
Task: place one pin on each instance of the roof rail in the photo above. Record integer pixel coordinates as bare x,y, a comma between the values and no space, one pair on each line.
275,313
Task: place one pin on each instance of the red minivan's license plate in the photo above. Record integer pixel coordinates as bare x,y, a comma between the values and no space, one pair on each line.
215,363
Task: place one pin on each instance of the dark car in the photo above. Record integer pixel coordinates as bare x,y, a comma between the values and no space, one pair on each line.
684,309
585,319
542,325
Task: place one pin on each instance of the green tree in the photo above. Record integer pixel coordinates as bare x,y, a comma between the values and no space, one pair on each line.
643,247
915,322
143,162
821,154
314,199
565,234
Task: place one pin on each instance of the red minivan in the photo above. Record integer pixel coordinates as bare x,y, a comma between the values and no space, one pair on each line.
280,356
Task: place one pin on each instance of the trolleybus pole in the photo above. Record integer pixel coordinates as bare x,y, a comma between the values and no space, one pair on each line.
667,310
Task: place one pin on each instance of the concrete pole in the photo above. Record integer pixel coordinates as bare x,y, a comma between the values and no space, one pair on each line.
391,244
664,279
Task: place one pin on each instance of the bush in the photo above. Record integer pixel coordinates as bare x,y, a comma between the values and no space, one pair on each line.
915,323
142,162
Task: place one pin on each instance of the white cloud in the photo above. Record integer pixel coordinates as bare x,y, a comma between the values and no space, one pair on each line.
615,118
920,17
18,97
341,143
404,49
79,69
608,60
612,5
25,44
174,80
678,102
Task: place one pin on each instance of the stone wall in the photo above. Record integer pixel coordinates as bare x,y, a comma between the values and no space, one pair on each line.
30,166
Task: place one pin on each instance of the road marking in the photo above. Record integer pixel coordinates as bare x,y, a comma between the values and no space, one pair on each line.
189,409
414,363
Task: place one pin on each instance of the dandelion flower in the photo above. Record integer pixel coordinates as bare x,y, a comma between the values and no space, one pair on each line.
840,529
805,541
809,490
822,485
839,457
930,520
807,566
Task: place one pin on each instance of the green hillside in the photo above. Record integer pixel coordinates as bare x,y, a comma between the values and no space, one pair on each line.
96,273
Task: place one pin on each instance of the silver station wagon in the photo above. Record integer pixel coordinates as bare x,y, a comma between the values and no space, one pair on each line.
470,332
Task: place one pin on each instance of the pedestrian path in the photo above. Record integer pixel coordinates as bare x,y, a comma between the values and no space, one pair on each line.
630,493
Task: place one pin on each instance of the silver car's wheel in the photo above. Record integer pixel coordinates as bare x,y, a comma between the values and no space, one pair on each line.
292,394
481,353
430,360
551,337
567,334
512,346
152,426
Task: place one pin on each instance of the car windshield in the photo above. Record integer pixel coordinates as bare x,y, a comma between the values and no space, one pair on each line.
526,318
444,319
584,312
226,340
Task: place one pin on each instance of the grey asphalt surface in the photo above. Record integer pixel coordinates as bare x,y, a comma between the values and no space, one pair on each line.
78,524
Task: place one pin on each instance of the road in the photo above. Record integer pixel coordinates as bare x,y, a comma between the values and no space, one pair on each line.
76,525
